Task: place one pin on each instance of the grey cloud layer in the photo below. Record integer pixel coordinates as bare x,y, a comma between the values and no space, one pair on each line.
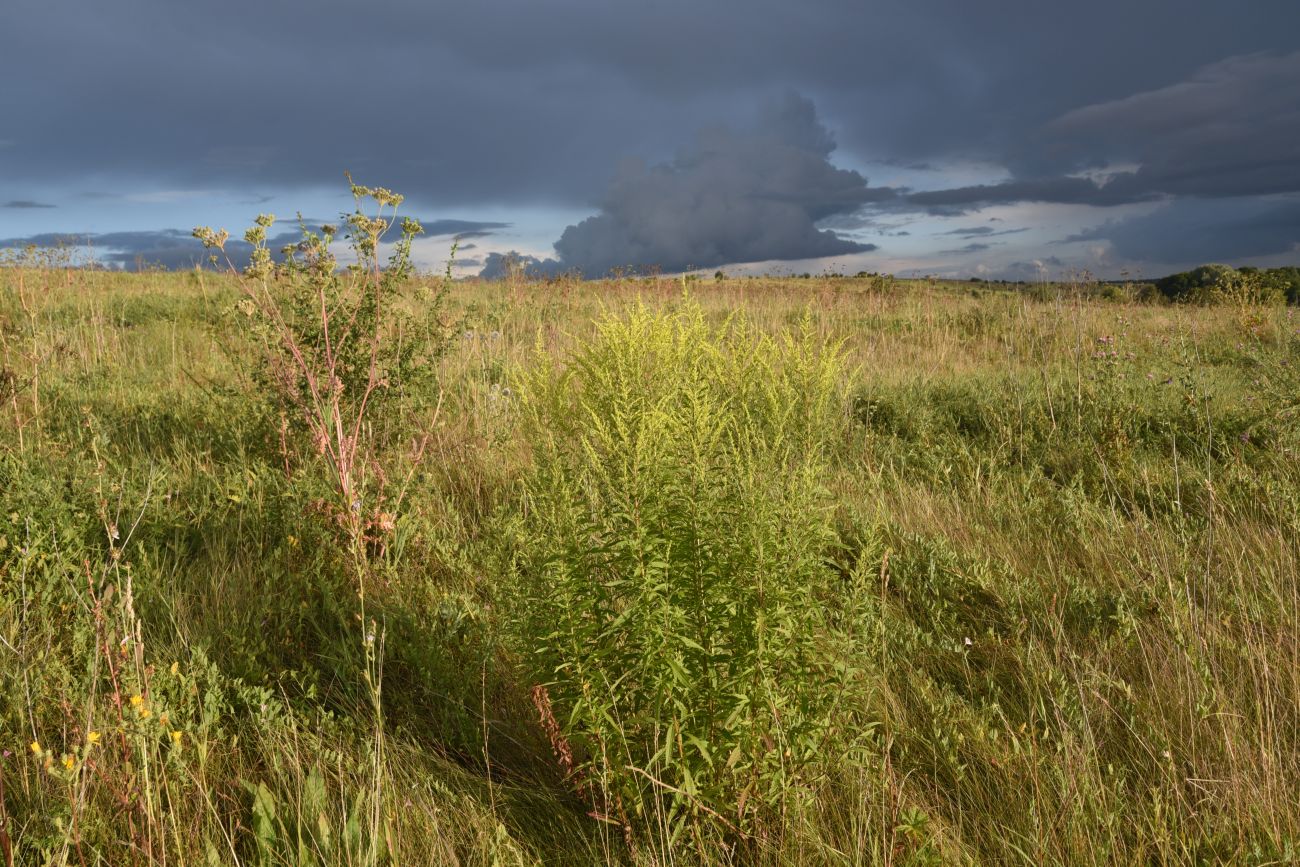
1218,148
509,98
519,102
1231,129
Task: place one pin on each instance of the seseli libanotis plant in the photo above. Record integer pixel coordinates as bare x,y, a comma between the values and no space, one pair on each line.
671,581
343,345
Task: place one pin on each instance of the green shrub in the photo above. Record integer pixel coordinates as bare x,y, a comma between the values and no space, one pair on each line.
1116,292
1223,284
1147,293
676,533
1238,287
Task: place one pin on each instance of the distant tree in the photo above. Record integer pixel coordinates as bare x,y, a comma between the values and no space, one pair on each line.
1287,281
1215,283
1187,285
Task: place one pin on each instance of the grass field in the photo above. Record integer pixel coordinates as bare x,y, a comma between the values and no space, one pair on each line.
1025,590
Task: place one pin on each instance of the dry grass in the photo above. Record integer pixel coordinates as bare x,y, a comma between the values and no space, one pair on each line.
1068,528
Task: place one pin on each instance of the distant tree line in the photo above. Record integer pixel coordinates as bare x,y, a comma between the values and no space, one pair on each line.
1210,283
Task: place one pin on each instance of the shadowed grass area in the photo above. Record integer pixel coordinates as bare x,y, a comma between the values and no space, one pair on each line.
1057,589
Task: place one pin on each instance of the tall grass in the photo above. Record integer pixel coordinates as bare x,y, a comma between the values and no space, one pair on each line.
1036,559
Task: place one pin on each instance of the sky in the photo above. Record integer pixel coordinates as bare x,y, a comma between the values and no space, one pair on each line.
1013,140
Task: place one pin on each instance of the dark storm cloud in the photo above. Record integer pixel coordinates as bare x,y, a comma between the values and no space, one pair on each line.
733,196
1190,232
513,102
24,204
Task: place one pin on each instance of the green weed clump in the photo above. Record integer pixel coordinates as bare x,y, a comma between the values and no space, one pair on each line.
676,526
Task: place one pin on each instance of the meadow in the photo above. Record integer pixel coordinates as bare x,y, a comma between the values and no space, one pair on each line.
643,571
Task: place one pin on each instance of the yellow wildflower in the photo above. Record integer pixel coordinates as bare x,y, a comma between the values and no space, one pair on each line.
176,737
92,738
69,762
176,668
36,748
136,699
145,713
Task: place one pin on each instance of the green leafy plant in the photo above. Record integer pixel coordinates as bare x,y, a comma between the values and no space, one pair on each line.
676,530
